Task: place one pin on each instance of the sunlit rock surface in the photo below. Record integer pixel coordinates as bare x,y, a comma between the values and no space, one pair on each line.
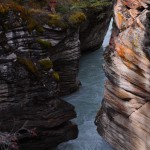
124,118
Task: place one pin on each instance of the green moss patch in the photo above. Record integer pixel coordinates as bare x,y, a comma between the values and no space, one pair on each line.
46,63
68,12
77,18
29,65
45,44
56,75
56,20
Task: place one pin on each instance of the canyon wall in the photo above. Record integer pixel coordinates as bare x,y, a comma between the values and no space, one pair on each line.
124,118
93,30
31,111
36,67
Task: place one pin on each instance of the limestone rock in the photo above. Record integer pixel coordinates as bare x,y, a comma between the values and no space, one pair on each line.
123,119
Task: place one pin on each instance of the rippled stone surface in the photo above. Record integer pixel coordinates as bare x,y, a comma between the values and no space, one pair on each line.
124,117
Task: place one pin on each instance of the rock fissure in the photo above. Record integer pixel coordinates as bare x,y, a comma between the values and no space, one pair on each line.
138,108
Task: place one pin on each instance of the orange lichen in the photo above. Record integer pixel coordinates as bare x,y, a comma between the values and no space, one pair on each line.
120,51
125,53
119,19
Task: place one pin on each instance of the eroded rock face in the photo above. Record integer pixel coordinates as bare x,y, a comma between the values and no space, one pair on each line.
36,68
94,29
124,117
30,111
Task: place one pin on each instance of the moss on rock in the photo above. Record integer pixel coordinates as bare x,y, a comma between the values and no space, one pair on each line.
45,44
56,20
29,65
56,75
77,18
70,12
46,63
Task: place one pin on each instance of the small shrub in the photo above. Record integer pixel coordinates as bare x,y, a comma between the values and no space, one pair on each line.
77,18
31,25
56,20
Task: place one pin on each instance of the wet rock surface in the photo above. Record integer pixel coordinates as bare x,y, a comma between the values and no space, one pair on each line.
123,119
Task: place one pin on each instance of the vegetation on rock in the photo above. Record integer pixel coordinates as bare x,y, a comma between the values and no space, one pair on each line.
45,44
56,75
77,18
35,13
29,65
56,20
46,63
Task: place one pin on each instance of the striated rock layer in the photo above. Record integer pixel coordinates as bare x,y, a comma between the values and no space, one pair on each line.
30,68
38,64
94,29
124,118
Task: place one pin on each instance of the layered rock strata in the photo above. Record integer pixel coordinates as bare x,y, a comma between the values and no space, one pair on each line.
36,67
93,30
30,68
124,117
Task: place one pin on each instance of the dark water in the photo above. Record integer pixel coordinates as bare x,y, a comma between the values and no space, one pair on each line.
87,102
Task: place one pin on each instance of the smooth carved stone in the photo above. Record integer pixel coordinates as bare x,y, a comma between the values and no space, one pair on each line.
124,117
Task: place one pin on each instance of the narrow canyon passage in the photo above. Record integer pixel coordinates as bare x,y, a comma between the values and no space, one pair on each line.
87,102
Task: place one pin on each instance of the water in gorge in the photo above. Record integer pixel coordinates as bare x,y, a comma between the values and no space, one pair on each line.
87,102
